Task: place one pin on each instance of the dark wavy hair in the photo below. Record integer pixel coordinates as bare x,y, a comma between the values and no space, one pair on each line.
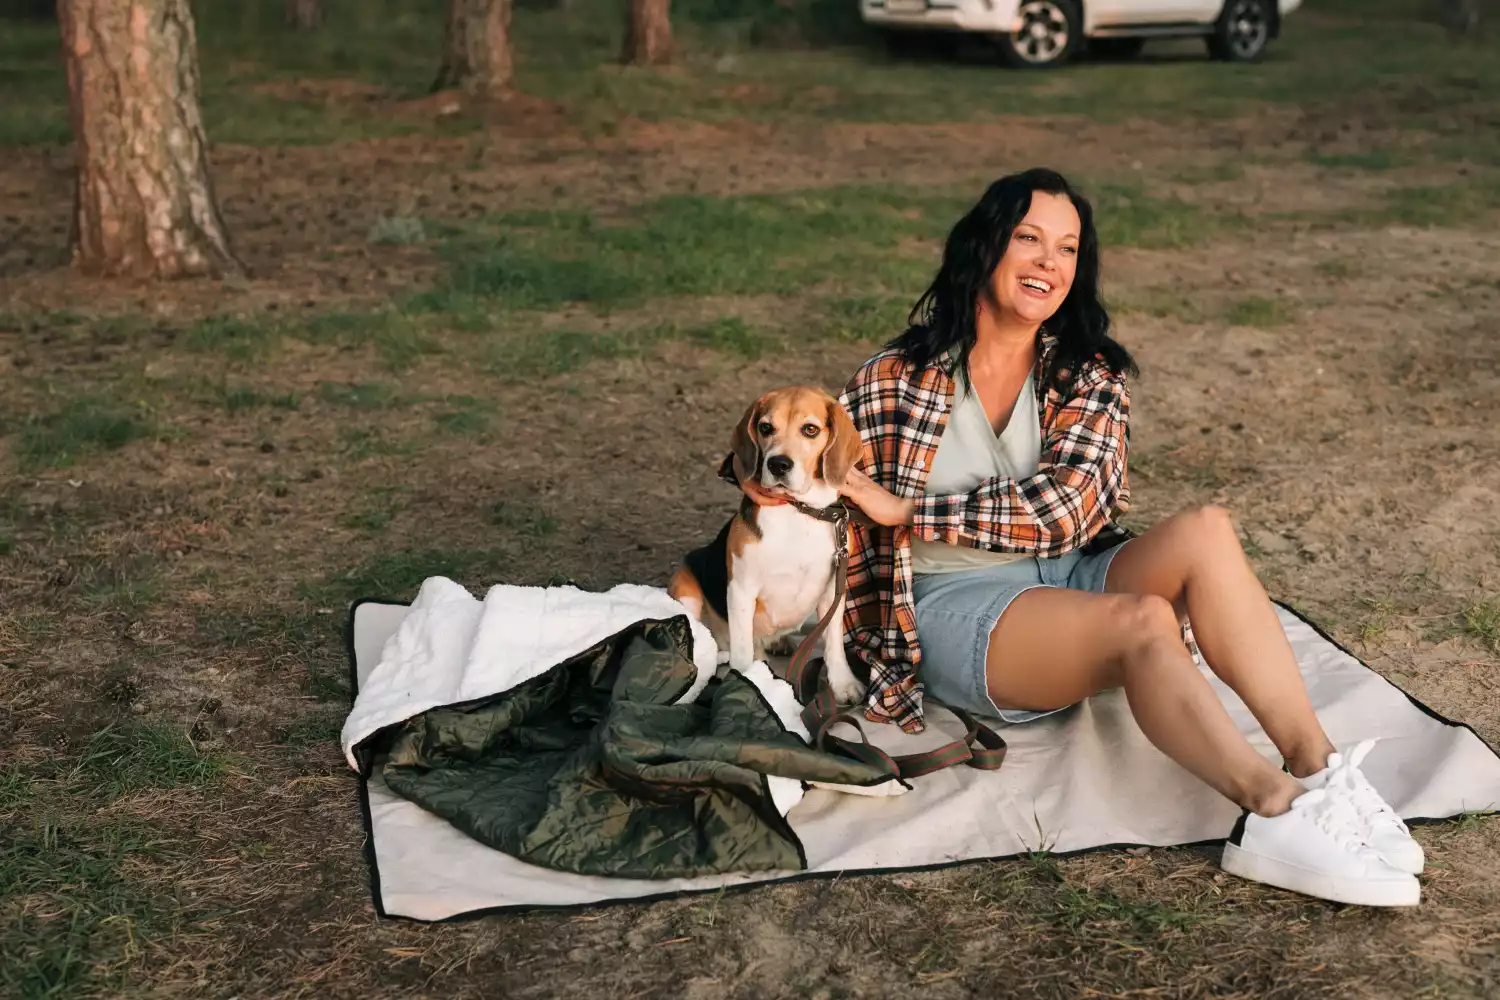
945,316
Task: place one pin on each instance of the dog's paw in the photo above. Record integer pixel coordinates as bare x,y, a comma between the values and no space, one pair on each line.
848,691
782,645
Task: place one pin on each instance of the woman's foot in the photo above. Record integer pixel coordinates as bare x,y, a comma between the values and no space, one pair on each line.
1317,848
1383,829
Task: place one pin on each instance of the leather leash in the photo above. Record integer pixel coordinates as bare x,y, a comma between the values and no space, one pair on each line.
820,712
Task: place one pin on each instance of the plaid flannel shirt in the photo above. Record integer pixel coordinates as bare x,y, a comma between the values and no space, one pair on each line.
1069,504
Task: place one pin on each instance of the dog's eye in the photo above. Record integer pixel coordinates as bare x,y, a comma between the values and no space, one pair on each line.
765,428
811,430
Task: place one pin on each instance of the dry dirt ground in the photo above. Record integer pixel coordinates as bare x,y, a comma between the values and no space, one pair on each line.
187,506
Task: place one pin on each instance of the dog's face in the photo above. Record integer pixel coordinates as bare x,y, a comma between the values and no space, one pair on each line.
797,438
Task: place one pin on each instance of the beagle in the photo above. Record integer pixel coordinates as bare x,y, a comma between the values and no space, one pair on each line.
771,568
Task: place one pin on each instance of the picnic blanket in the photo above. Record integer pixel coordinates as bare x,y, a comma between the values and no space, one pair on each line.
1084,779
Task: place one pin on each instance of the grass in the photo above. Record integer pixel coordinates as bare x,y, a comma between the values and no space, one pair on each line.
70,916
244,398
1482,621
86,425
397,575
742,59
1373,160
119,761
523,518
1257,310
87,906
358,395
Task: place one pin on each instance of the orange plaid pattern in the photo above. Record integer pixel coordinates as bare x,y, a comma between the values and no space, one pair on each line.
1070,504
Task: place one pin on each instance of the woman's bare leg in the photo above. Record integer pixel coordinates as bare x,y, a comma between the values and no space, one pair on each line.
1195,561
1054,647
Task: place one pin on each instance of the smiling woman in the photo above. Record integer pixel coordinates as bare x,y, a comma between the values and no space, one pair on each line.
996,580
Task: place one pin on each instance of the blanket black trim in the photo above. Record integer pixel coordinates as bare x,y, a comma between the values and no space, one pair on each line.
369,822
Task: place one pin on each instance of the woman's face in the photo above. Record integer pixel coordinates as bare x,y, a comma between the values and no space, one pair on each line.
1034,275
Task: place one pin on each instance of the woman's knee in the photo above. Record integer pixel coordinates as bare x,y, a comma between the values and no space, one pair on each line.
1210,525
1145,621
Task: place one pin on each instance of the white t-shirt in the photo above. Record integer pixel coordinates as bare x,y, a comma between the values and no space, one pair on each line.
968,453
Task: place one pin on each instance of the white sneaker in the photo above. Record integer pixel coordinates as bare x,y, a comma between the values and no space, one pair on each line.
1382,828
1316,848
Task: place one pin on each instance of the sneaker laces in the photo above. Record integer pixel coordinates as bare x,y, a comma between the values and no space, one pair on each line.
1367,802
1333,816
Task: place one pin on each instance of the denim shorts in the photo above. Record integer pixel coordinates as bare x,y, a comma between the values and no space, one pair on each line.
956,612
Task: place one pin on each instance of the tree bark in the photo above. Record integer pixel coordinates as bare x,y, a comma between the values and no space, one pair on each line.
304,14
143,204
648,32
476,48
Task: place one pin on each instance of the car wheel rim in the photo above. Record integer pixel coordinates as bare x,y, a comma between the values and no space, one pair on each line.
1043,33
1248,27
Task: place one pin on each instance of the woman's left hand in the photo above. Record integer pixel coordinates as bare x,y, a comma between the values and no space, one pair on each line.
879,504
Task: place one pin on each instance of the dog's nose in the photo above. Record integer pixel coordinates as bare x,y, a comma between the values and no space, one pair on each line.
779,465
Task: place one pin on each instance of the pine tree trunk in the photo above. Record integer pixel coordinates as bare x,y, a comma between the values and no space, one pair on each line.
143,203
476,48
648,32
304,14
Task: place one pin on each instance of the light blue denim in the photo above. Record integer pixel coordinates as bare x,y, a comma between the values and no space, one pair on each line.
956,612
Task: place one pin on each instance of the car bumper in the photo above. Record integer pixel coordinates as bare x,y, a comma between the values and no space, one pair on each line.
935,15
1287,6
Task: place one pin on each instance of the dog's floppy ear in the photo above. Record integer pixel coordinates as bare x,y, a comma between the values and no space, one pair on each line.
842,451
746,442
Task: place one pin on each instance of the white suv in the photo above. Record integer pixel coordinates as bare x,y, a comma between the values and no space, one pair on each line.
1047,32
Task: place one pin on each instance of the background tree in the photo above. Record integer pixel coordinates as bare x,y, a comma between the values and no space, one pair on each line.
476,48
304,14
648,32
143,203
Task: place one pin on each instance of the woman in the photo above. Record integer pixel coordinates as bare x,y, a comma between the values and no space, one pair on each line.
996,432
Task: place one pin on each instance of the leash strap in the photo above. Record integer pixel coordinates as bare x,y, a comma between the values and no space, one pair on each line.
981,747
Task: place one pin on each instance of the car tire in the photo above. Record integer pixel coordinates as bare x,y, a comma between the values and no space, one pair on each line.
1243,30
1116,48
1051,31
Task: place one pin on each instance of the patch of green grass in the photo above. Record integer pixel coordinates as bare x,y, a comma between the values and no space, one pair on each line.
359,443
85,425
1465,204
120,760
397,230
69,917
731,335
358,395
7,544
1216,173
523,517
396,337
315,731
1370,160
241,398
1482,621
396,574
1163,302
1078,907
15,787
696,245
1379,617
464,422
1257,310
368,520
1127,215
236,338
1339,267
127,587
865,318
